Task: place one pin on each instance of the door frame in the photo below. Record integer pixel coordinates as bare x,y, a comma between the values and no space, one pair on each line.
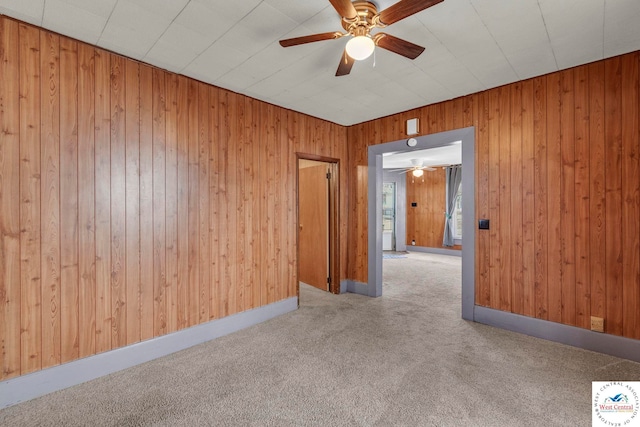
375,173
334,219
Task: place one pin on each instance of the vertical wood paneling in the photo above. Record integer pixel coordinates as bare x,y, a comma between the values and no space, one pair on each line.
30,201
597,189
516,199
222,206
278,213
353,134
131,197
528,200
268,209
288,221
483,292
194,193
10,192
505,238
86,201
560,183
567,205
613,193
540,189
631,198
150,213
425,222
448,111
226,165
132,202
235,186
214,205
290,224
118,204
147,253
171,201
185,209
204,238
50,192
554,198
256,265
238,174
581,197
276,208
247,262
495,259
103,200
341,152
69,200
159,238
361,229
468,111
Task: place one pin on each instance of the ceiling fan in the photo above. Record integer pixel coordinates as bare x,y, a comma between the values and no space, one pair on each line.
417,169
358,19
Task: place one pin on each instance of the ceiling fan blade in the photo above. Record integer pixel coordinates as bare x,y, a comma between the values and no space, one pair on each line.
404,9
346,63
344,8
310,39
399,46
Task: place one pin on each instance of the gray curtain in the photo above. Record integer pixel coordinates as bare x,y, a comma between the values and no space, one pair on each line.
454,178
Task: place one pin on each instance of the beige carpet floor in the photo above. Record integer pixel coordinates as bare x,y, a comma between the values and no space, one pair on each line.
406,358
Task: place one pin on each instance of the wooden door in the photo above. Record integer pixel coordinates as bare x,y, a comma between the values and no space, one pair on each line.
313,223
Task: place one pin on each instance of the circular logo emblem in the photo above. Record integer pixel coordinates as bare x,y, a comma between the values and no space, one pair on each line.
616,403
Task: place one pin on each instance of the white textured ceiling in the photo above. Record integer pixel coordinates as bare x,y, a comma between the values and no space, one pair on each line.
471,45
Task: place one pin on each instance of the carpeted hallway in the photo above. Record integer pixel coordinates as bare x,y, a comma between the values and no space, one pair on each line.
406,358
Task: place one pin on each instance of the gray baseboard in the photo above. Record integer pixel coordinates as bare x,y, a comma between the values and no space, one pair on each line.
439,251
56,378
343,285
613,345
356,287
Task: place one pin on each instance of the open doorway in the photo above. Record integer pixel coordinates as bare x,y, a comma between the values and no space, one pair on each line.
317,233
466,136
423,181
389,216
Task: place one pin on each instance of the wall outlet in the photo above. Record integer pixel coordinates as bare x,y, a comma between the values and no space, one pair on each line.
597,324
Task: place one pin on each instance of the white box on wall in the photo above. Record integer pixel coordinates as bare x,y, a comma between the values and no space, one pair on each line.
413,126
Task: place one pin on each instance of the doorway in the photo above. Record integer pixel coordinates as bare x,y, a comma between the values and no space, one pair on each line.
466,136
318,222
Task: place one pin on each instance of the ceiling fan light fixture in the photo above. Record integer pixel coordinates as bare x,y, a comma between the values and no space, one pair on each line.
360,47
417,173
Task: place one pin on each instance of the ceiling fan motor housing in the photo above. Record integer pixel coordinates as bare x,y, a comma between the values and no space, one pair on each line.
363,22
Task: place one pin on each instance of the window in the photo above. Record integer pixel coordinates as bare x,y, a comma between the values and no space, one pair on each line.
457,215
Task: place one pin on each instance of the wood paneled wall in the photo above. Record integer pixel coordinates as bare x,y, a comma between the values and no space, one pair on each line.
558,174
135,202
425,222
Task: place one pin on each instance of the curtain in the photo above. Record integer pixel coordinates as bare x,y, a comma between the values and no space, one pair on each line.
453,180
